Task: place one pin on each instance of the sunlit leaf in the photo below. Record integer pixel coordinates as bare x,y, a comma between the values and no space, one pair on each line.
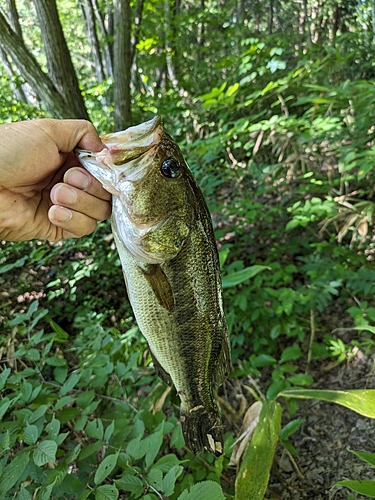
238,277
360,401
45,452
252,478
365,487
203,491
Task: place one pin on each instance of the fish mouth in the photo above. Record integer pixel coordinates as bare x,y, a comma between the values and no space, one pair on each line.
125,156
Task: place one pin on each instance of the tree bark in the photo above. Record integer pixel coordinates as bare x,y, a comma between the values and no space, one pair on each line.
136,30
93,39
17,89
107,50
110,28
13,17
59,63
168,43
270,21
122,64
15,24
30,70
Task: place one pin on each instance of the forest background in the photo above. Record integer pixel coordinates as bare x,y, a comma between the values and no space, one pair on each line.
272,105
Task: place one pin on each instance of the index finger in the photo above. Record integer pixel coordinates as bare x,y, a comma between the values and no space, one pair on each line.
67,134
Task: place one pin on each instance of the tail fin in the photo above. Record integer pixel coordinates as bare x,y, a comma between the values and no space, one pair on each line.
203,429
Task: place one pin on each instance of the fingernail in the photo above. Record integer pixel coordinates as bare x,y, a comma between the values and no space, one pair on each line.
65,195
77,178
60,214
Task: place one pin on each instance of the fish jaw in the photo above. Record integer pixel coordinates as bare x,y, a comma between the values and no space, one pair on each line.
126,155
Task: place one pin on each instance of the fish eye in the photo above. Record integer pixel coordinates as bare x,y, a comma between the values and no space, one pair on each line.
170,168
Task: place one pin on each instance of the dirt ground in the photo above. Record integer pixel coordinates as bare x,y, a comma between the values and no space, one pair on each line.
324,438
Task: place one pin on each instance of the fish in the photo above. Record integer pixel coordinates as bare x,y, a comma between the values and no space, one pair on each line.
165,239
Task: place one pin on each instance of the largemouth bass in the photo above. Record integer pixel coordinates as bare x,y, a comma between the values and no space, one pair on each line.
164,236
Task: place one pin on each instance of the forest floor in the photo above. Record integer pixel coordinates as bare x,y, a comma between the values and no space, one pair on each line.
323,440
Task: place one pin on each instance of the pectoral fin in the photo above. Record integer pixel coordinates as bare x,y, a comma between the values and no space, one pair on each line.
160,285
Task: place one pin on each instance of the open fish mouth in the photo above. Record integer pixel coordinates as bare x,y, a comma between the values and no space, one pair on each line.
126,154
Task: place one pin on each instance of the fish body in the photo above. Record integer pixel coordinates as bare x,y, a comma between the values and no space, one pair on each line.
164,236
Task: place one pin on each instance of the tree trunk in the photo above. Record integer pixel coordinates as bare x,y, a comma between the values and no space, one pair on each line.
15,24
59,63
168,44
29,68
136,30
306,22
108,55
13,17
17,89
122,64
93,39
110,28
270,21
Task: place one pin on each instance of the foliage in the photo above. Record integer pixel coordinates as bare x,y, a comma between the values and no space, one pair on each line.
273,116
366,488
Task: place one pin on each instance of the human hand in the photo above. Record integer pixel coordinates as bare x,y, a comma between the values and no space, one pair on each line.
44,193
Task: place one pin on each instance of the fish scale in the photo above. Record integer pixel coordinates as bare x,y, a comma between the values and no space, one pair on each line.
164,236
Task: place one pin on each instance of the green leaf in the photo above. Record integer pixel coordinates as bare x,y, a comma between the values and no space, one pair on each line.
275,388
39,413
106,467
153,443
13,472
90,449
95,428
57,475
300,379
203,491
291,353
56,361
73,454
45,452
127,482
166,462
291,427
18,263
177,439
109,431
45,492
366,488
30,434
24,494
3,377
53,428
84,494
263,360
106,492
5,442
170,478
366,457
252,479
241,276
70,383
4,405
362,328
155,478
360,401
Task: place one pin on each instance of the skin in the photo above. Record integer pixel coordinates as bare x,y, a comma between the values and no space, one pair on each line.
44,192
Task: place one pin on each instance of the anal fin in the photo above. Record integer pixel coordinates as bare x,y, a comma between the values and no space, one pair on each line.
160,370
